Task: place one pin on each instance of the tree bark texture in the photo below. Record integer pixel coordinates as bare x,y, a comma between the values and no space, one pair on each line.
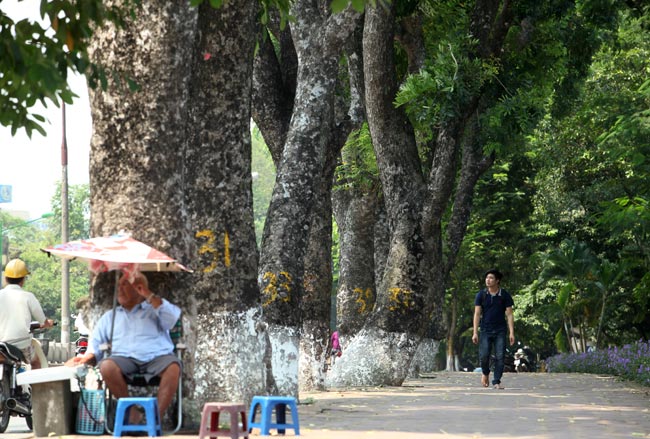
183,183
318,38
316,300
136,173
273,100
274,88
136,158
355,299
383,350
230,343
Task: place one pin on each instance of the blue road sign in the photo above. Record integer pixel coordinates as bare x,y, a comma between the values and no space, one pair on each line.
5,193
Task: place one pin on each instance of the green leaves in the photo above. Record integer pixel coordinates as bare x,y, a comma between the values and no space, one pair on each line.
339,5
35,57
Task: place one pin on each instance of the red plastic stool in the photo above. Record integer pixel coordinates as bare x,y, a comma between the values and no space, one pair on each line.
210,420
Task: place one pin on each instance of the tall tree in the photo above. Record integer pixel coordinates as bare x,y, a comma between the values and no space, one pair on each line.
487,80
229,345
183,184
317,36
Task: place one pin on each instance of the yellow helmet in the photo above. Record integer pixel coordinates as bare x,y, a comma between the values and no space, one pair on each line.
16,269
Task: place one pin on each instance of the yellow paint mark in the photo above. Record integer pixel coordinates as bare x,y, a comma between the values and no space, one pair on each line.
278,287
399,298
363,296
208,248
226,249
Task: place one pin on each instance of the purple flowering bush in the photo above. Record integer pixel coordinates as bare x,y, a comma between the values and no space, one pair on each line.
630,362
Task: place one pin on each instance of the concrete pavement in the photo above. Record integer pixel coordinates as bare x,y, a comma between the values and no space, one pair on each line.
454,405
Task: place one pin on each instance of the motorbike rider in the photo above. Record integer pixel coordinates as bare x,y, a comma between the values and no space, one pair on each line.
18,308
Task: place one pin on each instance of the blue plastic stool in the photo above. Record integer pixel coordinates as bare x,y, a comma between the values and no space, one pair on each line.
150,405
267,403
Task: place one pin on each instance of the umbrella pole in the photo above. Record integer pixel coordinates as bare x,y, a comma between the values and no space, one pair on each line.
115,291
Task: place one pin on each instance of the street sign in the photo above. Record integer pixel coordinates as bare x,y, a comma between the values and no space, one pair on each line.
5,193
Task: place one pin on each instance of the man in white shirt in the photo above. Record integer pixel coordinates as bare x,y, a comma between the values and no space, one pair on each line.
18,308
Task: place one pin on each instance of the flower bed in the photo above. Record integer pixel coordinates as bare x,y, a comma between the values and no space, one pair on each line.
630,362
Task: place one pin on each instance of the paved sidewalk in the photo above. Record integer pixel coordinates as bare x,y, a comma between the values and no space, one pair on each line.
454,405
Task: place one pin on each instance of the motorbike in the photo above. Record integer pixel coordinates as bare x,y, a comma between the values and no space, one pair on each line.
81,343
15,400
524,360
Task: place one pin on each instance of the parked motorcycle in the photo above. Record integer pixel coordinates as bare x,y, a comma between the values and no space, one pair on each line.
81,343
15,400
524,360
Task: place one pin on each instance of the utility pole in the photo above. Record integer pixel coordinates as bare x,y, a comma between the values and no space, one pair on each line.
65,264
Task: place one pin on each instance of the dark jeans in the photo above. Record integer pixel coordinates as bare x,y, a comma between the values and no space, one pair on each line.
487,341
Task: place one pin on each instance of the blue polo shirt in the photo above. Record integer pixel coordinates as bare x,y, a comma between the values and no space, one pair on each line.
142,333
493,316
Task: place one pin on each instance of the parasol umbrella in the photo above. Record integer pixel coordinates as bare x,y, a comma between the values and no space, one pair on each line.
117,252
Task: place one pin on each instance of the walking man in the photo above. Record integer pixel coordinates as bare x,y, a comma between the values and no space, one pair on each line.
493,310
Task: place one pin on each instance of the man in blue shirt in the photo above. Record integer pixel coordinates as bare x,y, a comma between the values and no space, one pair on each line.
492,307
140,344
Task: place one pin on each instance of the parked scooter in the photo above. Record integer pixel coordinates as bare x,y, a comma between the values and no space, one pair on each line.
524,360
81,343
16,400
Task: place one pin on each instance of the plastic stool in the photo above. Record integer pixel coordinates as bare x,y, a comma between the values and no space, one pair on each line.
210,420
150,405
267,403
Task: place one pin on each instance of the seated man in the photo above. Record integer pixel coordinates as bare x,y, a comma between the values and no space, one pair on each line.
141,343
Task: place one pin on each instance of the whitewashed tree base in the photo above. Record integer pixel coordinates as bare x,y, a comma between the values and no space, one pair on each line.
373,358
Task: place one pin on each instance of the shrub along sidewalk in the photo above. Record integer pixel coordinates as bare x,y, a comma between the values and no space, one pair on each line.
630,362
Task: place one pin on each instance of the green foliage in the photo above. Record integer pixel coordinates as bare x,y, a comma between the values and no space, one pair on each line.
35,57
358,169
78,210
45,278
263,181
593,179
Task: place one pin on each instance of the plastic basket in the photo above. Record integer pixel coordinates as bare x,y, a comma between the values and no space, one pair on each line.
90,415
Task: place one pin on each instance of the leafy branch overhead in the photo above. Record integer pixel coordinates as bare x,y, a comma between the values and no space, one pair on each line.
36,57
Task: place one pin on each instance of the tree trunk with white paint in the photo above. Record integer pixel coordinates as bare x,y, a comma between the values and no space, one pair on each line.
230,341
382,351
183,184
137,146
318,39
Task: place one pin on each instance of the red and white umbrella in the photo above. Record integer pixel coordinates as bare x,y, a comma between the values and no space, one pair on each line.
117,252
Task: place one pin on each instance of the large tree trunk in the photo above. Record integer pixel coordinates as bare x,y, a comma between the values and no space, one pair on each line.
136,158
410,295
383,349
355,299
229,345
315,304
275,82
319,38
184,184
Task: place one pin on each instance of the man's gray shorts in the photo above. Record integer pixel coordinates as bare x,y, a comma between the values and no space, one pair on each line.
148,369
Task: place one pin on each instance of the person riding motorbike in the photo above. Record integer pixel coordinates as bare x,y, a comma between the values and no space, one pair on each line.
18,308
